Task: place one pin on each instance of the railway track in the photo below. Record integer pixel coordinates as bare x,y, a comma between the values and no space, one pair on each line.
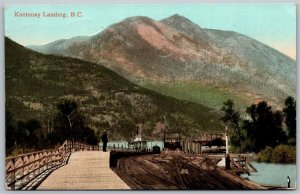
210,181
145,179
130,180
213,180
181,173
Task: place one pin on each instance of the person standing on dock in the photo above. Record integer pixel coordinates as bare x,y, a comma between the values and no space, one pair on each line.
289,182
104,140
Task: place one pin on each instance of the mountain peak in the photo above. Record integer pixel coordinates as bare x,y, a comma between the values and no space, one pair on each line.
176,18
139,19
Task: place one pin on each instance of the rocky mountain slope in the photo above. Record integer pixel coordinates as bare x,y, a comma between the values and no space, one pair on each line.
178,58
35,83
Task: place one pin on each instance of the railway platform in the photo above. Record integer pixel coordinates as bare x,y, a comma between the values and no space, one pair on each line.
86,170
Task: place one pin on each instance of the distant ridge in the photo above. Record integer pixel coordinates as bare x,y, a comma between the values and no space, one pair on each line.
178,58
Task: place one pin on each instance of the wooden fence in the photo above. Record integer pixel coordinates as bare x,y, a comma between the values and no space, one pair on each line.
192,147
22,170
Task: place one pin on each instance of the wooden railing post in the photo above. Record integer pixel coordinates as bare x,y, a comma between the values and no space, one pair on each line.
72,145
47,160
66,148
69,146
13,174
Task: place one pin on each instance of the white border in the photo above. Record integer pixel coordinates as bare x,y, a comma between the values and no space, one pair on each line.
2,81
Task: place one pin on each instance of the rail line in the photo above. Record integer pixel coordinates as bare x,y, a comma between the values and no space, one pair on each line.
173,172
146,178
132,182
185,162
171,183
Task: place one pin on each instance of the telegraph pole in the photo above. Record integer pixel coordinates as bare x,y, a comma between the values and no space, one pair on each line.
227,156
226,140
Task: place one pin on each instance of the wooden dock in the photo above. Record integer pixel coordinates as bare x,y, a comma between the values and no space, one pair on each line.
86,170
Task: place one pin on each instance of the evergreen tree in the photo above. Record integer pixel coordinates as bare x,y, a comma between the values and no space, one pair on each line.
265,127
232,119
10,132
70,124
290,117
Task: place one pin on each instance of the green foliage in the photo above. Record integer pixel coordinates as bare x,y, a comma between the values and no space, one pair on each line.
284,154
247,145
70,124
265,127
232,118
22,136
67,107
127,127
20,150
10,132
265,155
197,92
290,117
280,154
291,141
36,83
89,136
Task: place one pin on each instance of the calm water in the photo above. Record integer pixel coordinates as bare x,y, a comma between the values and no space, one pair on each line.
273,174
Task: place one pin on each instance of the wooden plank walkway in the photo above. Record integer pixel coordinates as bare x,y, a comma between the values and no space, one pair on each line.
86,170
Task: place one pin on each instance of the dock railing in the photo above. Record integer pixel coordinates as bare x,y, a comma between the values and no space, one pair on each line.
242,163
22,169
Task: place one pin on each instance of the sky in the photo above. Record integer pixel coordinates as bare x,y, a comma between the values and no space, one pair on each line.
271,24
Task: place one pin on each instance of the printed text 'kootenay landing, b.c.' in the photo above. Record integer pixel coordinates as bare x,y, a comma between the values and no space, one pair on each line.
47,14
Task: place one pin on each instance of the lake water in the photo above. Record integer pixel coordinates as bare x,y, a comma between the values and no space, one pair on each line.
273,174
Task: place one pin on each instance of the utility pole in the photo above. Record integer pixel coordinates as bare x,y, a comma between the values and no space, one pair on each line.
226,140
227,156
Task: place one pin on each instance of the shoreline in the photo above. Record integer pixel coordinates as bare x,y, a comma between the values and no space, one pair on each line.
233,175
